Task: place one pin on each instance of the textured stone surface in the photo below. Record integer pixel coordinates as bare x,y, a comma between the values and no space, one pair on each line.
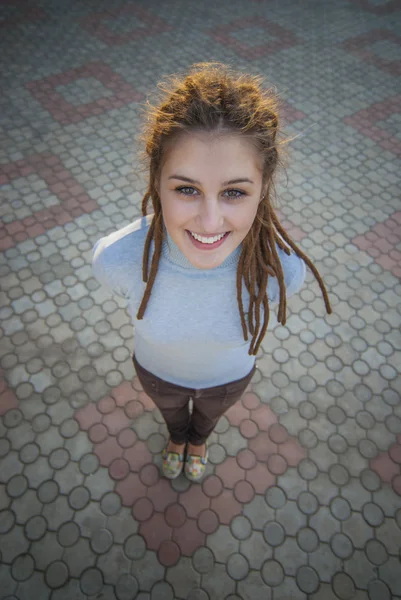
303,487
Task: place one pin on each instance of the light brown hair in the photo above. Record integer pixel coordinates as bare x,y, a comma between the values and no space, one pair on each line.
214,98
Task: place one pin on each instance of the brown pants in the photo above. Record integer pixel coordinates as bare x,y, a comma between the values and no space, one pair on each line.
209,404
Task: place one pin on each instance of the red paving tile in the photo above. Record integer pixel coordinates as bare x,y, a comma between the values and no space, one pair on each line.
248,429
189,537
8,401
143,509
124,393
278,434
230,472
236,414
127,438
146,401
396,483
133,409
106,405
226,507
292,451
262,446
261,478
119,469
108,451
194,500
276,464
386,468
162,494
97,433
138,456
246,459
250,401
244,492
149,475
175,515
212,486
263,417
116,421
208,521
168,553
87,416
395,453
131,489
155,531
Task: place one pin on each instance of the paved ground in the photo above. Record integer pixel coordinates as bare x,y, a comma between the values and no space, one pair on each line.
303,494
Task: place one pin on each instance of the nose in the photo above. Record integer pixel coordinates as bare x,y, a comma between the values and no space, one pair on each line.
211,218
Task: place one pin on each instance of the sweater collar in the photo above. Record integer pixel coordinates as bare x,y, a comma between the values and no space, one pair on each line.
173,254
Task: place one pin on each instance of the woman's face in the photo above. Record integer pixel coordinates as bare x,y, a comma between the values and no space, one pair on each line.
210,186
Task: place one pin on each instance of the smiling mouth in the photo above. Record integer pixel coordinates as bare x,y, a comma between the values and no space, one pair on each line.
207,242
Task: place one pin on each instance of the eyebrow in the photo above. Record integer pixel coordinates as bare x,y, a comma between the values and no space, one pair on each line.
231,182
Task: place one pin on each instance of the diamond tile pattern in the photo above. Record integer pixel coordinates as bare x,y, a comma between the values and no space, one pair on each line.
302,494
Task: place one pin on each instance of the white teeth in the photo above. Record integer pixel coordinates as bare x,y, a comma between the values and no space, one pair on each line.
207,240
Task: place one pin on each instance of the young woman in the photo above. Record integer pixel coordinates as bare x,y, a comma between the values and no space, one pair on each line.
218,256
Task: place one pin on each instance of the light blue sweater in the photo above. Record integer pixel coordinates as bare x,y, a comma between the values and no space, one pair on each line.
191,333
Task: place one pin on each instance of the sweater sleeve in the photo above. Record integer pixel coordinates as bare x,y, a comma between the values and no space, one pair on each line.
105,272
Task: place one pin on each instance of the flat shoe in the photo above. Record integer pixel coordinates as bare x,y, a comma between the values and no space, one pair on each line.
173,464
195,466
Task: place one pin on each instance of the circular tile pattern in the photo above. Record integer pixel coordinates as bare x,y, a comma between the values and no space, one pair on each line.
199,594
69,428
340,508
135,547
168,553
48,491
248,429
12,418
217,454
338,475
17,486
277,433
79,497
119,469
395,453
275,497
110,504
203,560
307,503
35,528
336,415
149,475
307,539
175,515
307,469
56,574
378,590
370,480
396,483
126,587
106,405
89,464
28,453
162,591
5,447
212,486
373,514
237,566
246,459
101,541
365,419
68,534
337,443
308,438
142,509
22,567
367,449
208,521
307,410
98,433
376,552
127,438
250,401
241,527
272,573
276,464
274,533
244,492
91,581
343,586
341,546
59,458
307,580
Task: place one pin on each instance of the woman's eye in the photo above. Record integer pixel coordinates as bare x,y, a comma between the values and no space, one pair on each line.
234,193
186,191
